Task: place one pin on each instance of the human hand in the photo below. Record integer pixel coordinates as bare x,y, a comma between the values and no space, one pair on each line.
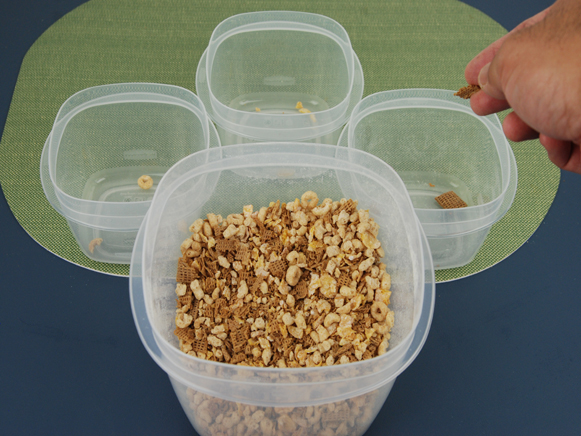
536,70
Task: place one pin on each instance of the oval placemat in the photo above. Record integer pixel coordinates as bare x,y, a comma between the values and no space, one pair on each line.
401,44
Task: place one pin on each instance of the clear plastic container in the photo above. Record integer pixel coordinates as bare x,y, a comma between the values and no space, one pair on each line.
258,66
437,144
311,399
103,140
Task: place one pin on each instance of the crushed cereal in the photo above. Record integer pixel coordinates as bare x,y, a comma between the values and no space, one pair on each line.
296,284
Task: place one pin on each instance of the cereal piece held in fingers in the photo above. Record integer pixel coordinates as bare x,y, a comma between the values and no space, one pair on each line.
467,91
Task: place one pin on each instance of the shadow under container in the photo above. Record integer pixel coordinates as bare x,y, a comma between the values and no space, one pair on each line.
437,144
258,66
103,140
220,398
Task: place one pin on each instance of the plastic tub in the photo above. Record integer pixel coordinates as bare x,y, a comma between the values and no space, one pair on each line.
103,140
226,179
437,144
258,66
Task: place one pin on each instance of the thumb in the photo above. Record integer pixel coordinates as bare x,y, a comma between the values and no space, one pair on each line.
489,81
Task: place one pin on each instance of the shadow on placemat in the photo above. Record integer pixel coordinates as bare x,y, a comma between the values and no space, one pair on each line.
401,44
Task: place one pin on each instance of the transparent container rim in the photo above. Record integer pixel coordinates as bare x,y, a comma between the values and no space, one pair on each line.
263,134
53,200
134,220
62,123
343,34
120,85
419,272
358,114
345,45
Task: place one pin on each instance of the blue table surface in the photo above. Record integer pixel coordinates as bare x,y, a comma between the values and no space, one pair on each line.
499,359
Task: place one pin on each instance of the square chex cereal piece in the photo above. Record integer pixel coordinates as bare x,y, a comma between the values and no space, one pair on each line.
450,200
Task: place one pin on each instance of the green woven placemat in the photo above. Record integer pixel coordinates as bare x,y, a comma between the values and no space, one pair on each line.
401,44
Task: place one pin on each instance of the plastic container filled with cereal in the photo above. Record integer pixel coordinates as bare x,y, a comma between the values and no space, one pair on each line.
283,287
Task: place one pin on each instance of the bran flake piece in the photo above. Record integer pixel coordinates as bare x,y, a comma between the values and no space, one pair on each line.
242,311
238,358
345,349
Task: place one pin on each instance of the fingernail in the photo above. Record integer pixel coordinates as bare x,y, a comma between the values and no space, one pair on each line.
483,75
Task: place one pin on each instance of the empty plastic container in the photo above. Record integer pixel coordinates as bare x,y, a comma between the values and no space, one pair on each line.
217,396
103,140
437,144
261,69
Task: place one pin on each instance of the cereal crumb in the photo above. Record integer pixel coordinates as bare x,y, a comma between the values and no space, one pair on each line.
145,182
257,109
467,91
94,243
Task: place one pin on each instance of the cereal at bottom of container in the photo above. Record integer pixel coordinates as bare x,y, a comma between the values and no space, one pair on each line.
214,416
94,243
450,200
289,285
145,182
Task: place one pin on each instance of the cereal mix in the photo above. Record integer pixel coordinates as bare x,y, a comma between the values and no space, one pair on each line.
214,416
296,284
